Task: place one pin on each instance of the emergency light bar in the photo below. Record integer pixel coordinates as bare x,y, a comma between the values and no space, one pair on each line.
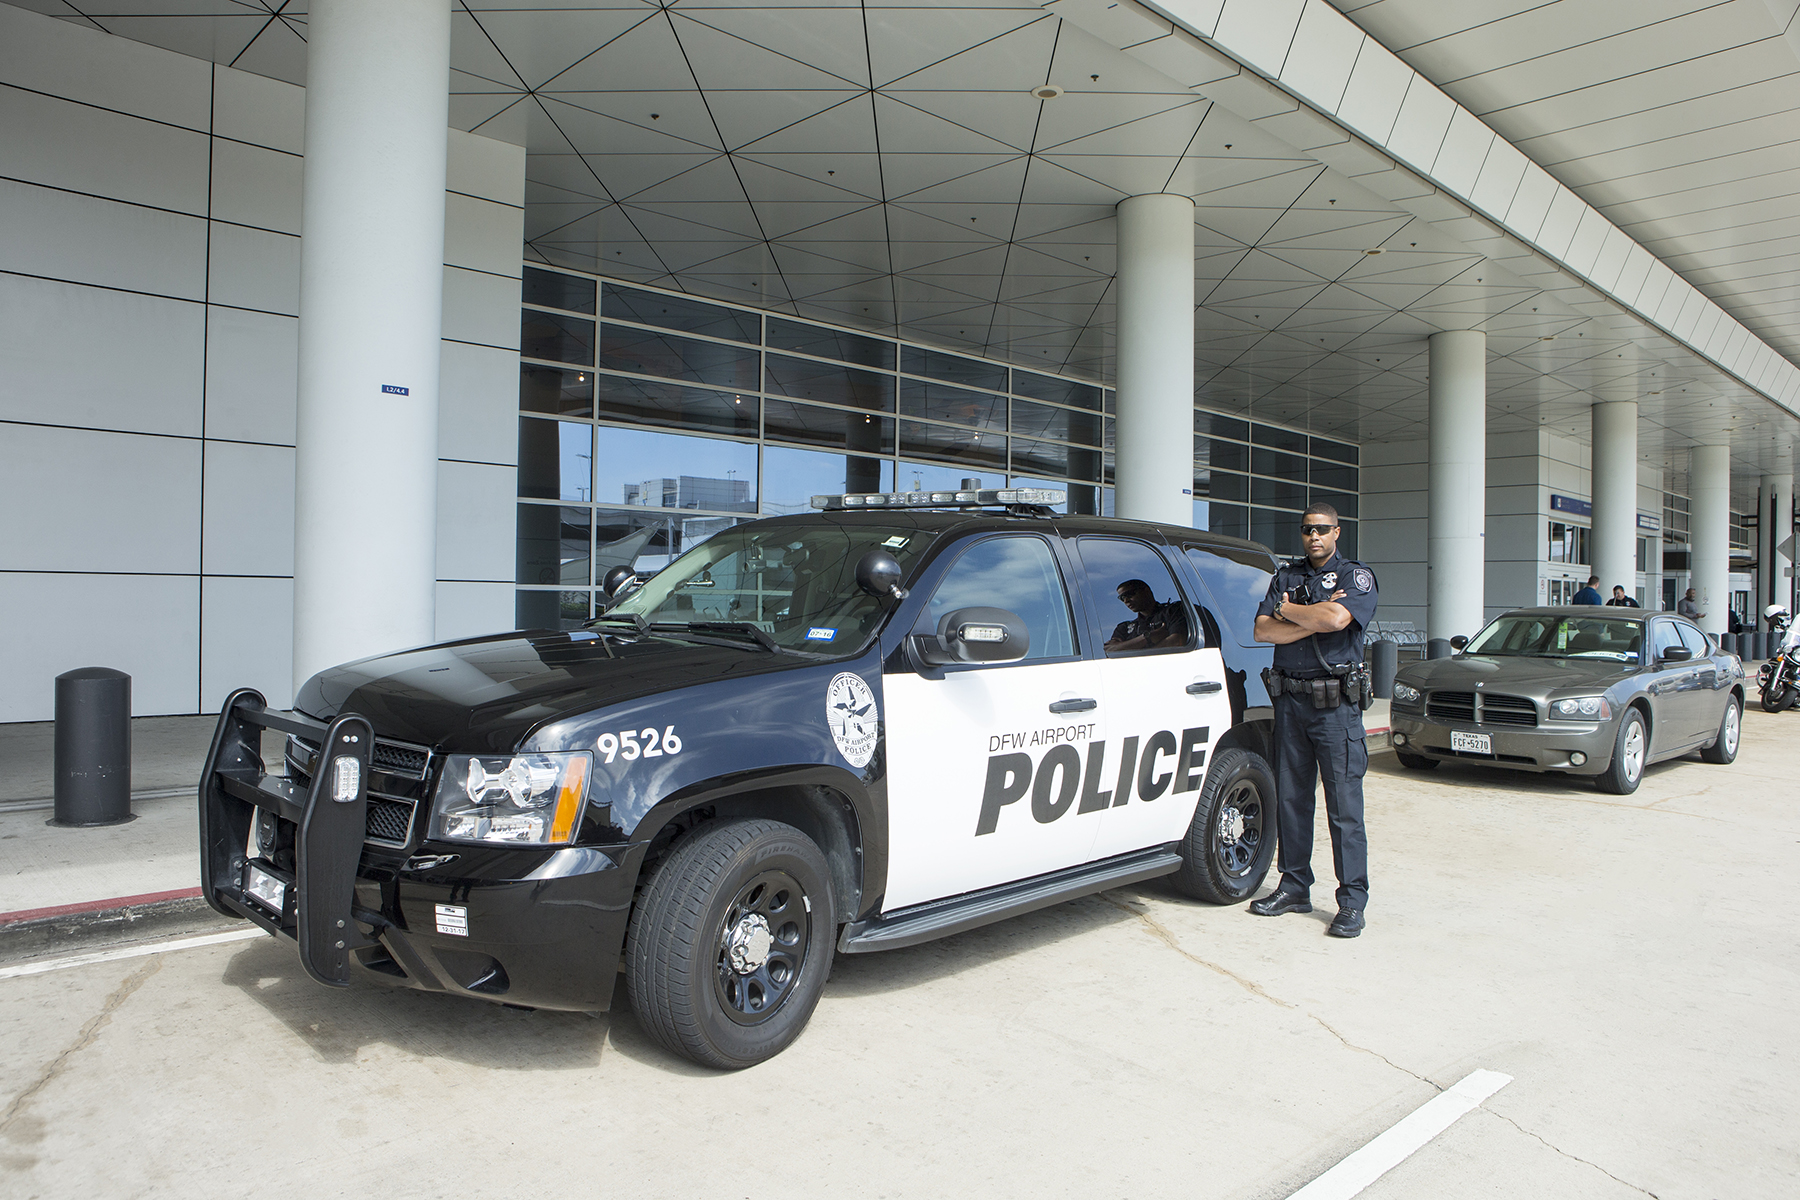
981,498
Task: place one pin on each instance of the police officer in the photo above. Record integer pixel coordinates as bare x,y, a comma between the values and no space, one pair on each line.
1315,612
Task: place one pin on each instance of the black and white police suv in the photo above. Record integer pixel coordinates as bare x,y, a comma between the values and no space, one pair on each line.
896,718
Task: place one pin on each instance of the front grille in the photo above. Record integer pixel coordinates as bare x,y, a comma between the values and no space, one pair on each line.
1508,710
390,820
398,759
1446,707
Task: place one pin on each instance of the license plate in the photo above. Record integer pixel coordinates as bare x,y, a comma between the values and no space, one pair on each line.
1473,743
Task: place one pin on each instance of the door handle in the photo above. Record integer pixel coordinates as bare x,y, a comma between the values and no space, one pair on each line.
1069,706
1205,687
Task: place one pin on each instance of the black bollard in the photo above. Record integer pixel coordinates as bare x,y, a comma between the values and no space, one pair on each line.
93,747
1728,642
1384,660
1439,648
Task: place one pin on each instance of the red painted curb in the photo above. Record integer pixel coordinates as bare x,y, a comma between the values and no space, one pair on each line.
65,910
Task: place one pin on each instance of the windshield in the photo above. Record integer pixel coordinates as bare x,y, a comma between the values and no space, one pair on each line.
1553,635
796,584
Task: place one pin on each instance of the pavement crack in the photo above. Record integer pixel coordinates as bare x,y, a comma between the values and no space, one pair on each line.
1571,1157
83,1040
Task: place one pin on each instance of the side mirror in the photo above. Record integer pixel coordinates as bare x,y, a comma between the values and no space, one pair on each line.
1675,654
974,635
1458,642
618,581
878,573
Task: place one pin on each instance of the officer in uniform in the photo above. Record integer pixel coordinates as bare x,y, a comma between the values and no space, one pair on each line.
1315,612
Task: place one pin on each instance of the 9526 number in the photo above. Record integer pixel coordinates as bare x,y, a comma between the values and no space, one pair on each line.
626,744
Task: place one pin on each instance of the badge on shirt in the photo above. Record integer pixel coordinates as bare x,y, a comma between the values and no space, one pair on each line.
1363,579
1328,580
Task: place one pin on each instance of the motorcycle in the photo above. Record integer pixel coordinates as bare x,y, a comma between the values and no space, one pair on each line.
1779,679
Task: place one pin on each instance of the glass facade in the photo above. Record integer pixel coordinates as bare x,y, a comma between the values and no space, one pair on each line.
649,421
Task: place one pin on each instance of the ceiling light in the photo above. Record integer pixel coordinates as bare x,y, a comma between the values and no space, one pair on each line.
1376,250
1048,92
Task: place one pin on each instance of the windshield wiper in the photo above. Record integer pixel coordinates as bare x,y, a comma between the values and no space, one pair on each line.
744,627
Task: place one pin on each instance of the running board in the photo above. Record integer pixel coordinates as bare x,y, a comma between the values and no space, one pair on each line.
941,918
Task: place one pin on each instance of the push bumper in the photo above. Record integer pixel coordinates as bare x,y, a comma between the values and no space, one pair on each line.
1541,748
541,928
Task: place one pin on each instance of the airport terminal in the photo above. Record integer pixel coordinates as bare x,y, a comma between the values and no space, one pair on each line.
335,330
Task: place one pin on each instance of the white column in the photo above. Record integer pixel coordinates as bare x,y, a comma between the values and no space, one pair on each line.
371,315
1774,533
1615,495
1455,554
1154,474
1709,531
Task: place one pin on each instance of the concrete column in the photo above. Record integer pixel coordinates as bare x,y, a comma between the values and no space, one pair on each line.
371,315
1154,474
1615,495
1455,547
1775,528
1709,531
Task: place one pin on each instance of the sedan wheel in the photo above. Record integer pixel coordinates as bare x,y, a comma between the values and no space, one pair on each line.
1731,726
1631,751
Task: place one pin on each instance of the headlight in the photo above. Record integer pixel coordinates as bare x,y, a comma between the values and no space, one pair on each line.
521,799
1591,708
1404,694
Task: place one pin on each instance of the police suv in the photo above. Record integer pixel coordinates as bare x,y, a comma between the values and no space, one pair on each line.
893,719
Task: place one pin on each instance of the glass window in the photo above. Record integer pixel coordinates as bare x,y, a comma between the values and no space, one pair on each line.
935,477
1131,589
1279,493
553,544
838,428
953,368
971,447
1525,635
1053,458
1693,639
1345,505
556,337
791,478
1213,425
1040,420
1223,485
552,289
806,380
830,343
1221,456
680,313
1663,637
1238,582
1347,539
1017,573
556,390
537,609
1333,477
668,470
644,353
1282,466
1279,531
647,541
941,402
555,459
1232,520
1056,391
656,402
1280,439
1341,451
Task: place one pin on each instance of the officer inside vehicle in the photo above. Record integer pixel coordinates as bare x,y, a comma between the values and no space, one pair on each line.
1314,613
1155,624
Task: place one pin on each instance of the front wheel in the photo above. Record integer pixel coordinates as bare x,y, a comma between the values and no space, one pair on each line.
1775,698
1631,751
1725,747
730,944
1231,840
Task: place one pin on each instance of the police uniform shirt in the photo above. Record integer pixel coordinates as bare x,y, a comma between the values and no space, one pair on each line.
1155,625
1341,648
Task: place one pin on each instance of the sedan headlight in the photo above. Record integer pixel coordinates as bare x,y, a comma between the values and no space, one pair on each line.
1404,694
520,799
1582,708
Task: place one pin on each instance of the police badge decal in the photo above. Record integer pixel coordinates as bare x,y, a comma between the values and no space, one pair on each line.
853,718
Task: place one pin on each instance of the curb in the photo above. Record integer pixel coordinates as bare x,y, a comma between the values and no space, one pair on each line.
95,907
33,933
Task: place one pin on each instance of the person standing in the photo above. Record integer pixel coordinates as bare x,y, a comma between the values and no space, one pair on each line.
1589,594
1314,614
1687,608
1620,599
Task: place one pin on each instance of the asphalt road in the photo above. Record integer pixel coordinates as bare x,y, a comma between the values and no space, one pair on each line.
1610,954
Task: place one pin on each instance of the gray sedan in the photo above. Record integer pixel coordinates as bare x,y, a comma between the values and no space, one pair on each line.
1590,691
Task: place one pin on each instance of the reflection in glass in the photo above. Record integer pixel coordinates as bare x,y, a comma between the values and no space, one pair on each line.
553,545
1279,493
1111,564
1017,573
1326,448
647,541
1055,390
1051,458
551,610
556,390
1237,581
1222,456
935,477
555,459
1282,466
1233,520
804,379
680,313
953,368
656,402
1213,425
1040,420
791,478
1281,439
969,447
941,402
1279,531
556,337
555,290
838,428
670,470
669,357
830,343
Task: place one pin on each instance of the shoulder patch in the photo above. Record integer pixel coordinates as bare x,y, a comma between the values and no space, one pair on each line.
1364,579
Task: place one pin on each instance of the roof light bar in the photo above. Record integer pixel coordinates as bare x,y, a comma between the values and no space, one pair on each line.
982,498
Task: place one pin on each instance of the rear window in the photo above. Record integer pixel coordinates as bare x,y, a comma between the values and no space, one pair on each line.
1238,580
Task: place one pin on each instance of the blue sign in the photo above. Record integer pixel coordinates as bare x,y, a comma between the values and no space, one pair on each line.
394,389
1649,523
1569,504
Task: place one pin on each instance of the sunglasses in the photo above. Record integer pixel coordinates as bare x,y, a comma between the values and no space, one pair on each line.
1321,530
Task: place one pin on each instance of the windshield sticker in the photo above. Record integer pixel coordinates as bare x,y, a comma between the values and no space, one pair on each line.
896,542
817,634
853,718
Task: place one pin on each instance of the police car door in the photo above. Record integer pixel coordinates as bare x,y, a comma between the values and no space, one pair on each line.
1166,704
985,762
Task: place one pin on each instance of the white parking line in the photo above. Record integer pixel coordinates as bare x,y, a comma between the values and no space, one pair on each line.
1396,1145
113,955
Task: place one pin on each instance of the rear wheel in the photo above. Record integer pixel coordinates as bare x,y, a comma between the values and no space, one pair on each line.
1231,840
1631,751
1416,762
730,944
1725,746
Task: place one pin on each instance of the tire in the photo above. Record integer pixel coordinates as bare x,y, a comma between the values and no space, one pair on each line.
1731,730
1631,754
757,891
1771,702
1231,841
1416,762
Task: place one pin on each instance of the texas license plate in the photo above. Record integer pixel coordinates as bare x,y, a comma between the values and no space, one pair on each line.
1472,743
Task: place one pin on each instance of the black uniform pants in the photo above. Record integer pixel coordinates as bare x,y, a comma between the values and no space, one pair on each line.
1313,744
